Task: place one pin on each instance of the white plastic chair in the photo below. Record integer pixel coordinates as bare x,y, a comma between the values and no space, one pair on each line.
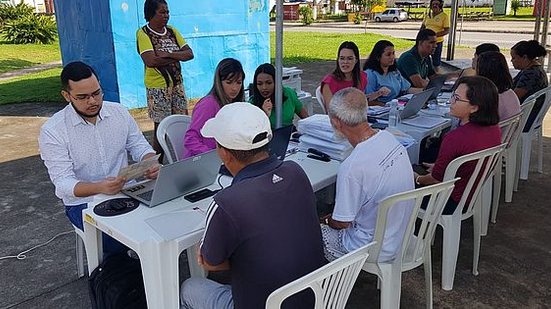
415,249
331,283
510,131
486,161
535,130
319,98
79,245
170,135
525,109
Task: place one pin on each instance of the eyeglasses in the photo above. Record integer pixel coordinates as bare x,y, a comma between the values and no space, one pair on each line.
96,95
456,97
347,59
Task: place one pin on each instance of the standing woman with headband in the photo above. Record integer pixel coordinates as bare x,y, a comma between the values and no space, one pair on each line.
439,22
527,57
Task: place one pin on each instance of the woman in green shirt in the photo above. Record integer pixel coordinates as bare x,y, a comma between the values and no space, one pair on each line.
263,96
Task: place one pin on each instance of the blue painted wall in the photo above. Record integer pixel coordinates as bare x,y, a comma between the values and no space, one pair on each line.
103,33
85,34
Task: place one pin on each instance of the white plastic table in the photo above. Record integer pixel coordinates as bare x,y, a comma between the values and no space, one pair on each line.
159,234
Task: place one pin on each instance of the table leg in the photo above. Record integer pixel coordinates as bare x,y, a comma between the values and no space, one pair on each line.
93,245
159,261
195,270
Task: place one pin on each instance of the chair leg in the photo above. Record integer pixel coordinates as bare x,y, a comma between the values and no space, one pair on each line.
496,193
525,159
391,287
510,172
540,150
517,166
450,250
79,244
427,265
477,216
486,200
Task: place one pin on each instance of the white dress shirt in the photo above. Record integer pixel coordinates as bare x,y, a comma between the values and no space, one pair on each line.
75,151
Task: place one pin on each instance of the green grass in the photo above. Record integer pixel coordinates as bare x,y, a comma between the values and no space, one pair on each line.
301,47
36,87
19,56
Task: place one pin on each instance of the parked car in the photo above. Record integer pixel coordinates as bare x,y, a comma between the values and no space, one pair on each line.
393,14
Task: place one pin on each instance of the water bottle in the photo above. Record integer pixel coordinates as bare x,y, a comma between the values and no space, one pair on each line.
394,114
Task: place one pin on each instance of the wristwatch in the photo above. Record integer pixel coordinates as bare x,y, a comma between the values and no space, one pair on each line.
417,180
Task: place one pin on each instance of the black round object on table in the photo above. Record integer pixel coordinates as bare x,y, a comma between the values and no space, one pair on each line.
116,206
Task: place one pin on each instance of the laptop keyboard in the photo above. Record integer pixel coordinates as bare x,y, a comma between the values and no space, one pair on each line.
146,195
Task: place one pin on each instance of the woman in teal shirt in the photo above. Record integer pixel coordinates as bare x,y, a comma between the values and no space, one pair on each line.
384,81
263,96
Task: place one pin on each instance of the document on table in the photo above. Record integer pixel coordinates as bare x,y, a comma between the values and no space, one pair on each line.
425,121
178,223
137,170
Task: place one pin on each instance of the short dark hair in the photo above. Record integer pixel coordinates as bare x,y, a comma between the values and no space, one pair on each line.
245,156
494,66
483,93
532,49
75,71
486,47
374,60
423,35
150,8
356,72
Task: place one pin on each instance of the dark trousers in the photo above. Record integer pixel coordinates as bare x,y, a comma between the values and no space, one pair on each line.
110,245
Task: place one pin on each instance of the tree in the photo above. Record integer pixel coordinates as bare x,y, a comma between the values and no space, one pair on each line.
515,5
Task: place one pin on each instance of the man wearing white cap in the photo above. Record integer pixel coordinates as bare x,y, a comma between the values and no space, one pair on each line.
263,228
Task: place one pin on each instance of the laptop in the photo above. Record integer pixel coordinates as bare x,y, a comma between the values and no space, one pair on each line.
448,87
280,141
436,84
413,106
177,179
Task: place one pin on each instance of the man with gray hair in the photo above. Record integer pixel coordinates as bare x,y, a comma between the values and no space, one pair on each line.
377,168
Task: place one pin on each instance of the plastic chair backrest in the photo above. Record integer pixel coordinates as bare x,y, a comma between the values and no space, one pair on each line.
331,283
486,161
544,108
319,98
510,129
170,135
526,109
438,195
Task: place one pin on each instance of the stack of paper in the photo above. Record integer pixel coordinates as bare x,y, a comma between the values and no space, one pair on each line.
318,133
377,110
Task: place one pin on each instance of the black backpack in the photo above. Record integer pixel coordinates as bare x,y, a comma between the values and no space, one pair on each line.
117,283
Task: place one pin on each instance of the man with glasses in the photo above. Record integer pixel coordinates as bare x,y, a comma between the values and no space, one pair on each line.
85,145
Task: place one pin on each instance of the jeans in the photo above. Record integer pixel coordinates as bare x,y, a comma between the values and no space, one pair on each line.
110,245
437,55
199,293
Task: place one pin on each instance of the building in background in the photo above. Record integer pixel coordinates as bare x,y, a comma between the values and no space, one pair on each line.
40,6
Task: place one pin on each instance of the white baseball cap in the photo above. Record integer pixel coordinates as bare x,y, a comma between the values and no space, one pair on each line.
239,126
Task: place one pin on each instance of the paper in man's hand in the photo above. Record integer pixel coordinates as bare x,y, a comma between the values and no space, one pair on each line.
137,170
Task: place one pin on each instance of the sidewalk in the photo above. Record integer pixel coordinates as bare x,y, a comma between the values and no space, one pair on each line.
523,27
33,69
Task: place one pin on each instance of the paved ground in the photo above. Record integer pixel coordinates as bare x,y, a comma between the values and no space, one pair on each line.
515,263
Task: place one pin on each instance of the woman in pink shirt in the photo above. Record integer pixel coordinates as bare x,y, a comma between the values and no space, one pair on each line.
227,88
493,66
346,74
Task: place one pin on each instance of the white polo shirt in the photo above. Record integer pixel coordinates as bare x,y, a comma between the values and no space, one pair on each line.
376,168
